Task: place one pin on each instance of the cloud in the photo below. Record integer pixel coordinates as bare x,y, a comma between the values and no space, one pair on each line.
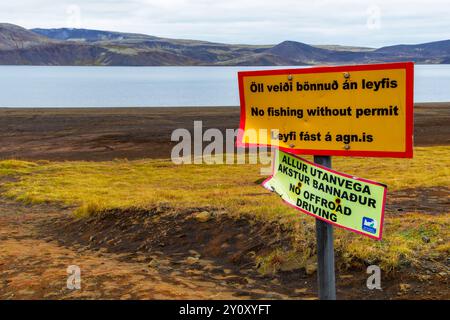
350,22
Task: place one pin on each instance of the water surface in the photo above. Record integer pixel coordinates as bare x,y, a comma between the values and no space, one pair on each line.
33,86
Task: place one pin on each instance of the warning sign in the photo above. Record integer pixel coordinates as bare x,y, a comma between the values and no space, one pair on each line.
349,202
364,110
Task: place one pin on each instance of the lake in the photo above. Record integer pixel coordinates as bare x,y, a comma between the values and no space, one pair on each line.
33,86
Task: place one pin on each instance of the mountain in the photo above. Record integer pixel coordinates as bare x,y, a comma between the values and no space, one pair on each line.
432,52
19,46
13,37
86,35
296,53
299,52
335,47
138,49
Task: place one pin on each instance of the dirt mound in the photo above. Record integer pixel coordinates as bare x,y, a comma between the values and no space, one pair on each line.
192,232
162,253
200,242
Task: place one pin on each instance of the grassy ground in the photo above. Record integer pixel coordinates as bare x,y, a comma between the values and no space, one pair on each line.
95,186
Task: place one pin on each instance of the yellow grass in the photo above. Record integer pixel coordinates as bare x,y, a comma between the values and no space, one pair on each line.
13,167
94,186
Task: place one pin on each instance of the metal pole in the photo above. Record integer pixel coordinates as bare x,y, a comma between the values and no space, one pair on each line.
325,250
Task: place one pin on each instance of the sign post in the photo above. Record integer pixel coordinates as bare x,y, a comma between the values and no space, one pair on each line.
326,278
360,111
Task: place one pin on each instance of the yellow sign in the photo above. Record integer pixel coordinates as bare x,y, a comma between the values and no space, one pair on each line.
352,203
347,110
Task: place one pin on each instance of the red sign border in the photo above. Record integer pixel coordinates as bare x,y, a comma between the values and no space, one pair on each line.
346,175
409,117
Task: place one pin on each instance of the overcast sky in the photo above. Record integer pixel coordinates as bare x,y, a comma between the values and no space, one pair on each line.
346,22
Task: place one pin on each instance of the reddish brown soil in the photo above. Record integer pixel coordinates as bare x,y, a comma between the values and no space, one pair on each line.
163,254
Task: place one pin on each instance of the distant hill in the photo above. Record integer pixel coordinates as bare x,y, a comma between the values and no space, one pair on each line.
335,47
425,52
13,37
19,46
299,52
86,35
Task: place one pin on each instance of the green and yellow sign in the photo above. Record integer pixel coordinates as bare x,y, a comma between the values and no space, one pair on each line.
348,202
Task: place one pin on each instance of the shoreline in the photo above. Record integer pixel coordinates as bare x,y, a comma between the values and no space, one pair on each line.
438,104
107,133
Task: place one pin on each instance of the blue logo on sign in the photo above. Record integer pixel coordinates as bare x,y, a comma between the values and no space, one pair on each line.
369,225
